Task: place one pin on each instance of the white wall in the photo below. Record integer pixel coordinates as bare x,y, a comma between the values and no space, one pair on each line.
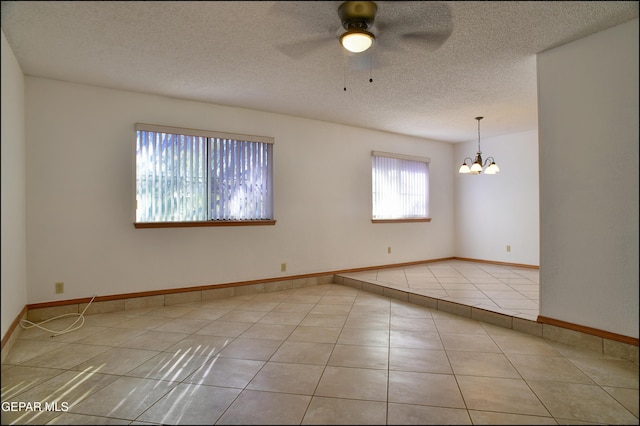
81,192
493,211
588,121
14,264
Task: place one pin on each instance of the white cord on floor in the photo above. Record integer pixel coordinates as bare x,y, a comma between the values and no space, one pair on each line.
55,332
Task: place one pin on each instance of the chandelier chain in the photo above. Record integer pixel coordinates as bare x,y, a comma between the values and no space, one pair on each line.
479,118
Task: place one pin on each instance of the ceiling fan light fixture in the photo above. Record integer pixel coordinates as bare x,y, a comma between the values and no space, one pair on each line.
357,40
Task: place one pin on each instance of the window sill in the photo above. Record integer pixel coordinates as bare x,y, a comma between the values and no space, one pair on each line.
141,225
425,219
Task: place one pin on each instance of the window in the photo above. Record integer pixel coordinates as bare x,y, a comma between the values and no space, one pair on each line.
188,177
400,186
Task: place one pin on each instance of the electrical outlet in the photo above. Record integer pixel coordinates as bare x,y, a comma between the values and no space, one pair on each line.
283,267
508,248
389,249
59,287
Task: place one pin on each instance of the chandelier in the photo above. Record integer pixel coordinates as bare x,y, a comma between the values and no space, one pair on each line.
475,168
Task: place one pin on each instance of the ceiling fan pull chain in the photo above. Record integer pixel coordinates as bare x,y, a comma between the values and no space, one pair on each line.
344,68
370,67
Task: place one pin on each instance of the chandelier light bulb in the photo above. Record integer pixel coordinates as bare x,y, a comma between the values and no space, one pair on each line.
492,169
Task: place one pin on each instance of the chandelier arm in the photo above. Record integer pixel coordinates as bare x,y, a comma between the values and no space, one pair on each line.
489,160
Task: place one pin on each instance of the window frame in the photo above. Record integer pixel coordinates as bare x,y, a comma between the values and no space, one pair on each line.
397,156
206,134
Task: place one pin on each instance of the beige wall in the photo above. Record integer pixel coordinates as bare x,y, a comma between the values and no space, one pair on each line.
81,195
496,211
14,269
588,121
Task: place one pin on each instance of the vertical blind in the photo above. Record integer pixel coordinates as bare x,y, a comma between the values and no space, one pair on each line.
400,186
185,175
241,180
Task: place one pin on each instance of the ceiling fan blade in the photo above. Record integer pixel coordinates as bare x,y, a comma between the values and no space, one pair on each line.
310,12
427,40
317,20
386,39
301,48
422,24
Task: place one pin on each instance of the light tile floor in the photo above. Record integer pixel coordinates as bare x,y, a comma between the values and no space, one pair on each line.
325,354
509,290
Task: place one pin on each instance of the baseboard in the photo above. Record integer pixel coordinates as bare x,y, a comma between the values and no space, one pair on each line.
589,330
295,278
10,336
170,291
493,262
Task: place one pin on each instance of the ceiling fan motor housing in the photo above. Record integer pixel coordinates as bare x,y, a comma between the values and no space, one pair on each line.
357,14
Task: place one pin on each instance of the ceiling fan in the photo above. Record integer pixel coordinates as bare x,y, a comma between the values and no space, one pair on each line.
357,17
388,26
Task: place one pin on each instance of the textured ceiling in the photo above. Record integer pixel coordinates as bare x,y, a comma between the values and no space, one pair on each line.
284,57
